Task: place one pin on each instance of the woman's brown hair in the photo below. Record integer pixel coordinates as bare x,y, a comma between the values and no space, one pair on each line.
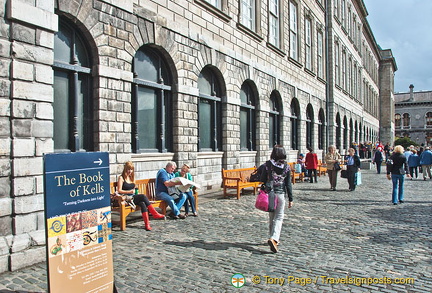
128,166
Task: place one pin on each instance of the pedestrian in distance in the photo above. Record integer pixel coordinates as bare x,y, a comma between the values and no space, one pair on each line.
280,175
311,163
331,158
396,173
377,159
426,163
413,163
126,187
352,161
301,162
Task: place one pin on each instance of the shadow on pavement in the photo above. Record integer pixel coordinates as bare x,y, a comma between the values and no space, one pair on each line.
219,245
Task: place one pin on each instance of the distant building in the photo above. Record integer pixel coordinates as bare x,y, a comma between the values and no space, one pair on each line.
413,116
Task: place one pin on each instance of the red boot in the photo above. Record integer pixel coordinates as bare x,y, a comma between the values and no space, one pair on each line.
146,219
154,213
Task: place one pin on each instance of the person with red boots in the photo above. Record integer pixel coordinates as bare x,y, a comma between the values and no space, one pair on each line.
126,186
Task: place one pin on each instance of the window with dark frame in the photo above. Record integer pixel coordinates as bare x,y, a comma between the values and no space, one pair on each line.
429,119
406,120
73,91
398,120
321,129
345,133
274,120
294,124
309,127
152,127
338,131
274,23
293,31
320,54
248,14
308,43
209,112
247,118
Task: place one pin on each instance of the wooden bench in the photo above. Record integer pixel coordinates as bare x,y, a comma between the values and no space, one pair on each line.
294,175
147,187
238,179
322,168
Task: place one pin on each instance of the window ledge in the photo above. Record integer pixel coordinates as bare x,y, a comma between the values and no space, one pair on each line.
222,14
310,72
209,155
250,32
322,80
276,49
295,62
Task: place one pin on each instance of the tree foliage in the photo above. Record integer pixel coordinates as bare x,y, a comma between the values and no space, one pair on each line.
405,142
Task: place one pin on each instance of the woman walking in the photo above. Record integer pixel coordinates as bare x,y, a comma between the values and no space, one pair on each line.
396,173
377,159
332,158
352,162
278,177
311,163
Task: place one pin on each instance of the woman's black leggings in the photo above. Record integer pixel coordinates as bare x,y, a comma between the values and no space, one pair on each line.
142,201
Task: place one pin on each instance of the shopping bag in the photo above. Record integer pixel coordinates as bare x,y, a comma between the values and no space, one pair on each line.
358,178
297,168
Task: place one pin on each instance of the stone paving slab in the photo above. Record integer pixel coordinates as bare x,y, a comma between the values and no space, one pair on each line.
329,238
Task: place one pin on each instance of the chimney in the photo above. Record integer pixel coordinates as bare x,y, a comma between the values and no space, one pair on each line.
411,93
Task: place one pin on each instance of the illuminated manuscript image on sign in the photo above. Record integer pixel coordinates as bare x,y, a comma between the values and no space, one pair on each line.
78,222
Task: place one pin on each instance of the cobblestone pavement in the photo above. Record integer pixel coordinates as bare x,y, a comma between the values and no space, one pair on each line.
328,238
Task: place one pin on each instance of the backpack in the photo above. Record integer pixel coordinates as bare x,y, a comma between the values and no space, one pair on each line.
256,175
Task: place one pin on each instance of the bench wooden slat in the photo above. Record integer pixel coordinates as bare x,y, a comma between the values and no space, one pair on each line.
238,179
295,176
322,168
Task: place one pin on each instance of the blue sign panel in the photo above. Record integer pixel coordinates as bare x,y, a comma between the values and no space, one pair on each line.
78,222
76,182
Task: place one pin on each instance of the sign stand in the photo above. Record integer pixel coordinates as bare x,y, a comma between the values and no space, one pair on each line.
78,222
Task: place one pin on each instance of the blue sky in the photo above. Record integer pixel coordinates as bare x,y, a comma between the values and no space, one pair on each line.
405,27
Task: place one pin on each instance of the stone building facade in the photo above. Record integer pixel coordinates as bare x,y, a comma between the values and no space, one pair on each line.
413,116
214,84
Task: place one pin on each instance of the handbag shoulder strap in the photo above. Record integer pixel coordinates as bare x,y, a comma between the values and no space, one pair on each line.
269,168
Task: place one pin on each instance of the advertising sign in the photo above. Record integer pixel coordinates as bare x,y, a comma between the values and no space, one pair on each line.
78,222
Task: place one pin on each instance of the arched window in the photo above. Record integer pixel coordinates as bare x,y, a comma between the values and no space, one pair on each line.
429,119
309,126
209,112
73,91
398,120
152,128
351,132
356,137
247,118
406,120
338,131
360,137
274,120
294,124
321,129
345,133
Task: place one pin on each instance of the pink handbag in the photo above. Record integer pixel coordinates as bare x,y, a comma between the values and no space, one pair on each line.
266,202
